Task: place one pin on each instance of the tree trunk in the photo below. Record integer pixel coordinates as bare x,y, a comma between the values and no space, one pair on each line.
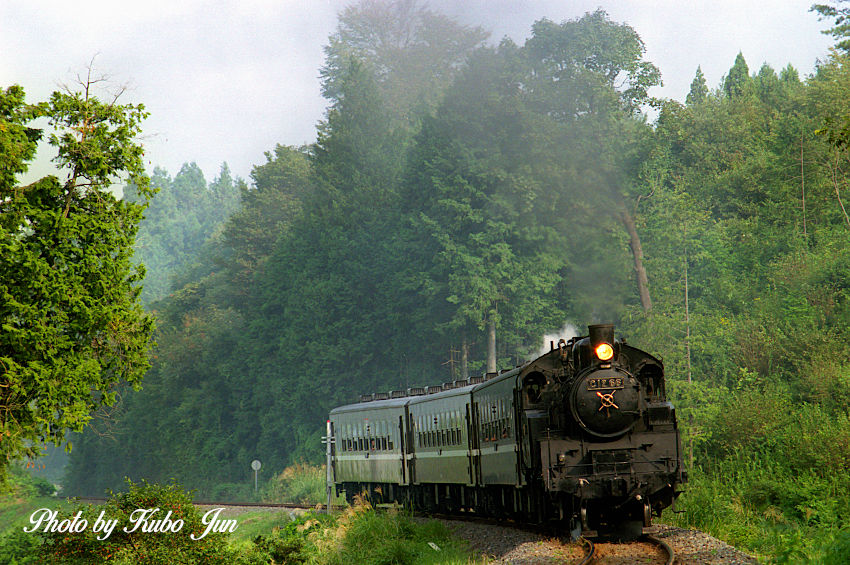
637,255
491,346
464,361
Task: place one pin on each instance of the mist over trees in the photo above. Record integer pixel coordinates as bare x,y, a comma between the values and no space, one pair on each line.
456,187
185,215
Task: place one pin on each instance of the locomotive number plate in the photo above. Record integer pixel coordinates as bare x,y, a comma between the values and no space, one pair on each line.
605,383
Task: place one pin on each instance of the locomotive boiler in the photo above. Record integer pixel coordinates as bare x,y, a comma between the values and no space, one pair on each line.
583,436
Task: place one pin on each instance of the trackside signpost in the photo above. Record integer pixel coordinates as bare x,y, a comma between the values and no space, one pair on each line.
328,440
255,465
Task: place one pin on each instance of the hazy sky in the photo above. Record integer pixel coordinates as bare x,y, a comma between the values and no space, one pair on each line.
226,80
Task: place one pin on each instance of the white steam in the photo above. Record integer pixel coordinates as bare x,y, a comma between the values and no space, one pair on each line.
565,332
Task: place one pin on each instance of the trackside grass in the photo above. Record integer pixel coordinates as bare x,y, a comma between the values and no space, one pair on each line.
362,535
358,535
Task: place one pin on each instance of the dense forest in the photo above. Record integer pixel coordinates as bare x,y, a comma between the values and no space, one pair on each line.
458,187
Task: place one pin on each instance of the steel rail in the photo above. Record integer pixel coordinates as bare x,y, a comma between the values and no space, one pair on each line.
671,556
591,552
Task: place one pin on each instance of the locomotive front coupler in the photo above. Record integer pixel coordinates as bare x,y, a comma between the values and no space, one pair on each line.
633,495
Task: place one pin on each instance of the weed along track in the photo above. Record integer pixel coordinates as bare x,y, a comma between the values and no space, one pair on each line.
516,544
508,543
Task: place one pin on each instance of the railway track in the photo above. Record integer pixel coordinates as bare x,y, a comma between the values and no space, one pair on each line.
593,555
671,556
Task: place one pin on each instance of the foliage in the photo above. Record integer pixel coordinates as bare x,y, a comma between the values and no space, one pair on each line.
760,505
268,209
138,546
699,89
830,81
25,494
301,483
841,31
412,53
362,535
588,64
185,214
72,325
738,79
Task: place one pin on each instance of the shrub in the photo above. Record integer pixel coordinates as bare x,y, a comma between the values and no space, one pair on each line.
19,548
839,551
301,484
233,492
151,548
291,544
364,536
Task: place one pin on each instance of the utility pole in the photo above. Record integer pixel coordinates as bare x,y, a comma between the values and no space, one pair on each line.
464,361
803,187
451,362
687,320
491,346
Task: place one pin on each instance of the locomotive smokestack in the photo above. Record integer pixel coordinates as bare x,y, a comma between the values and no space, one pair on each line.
601,333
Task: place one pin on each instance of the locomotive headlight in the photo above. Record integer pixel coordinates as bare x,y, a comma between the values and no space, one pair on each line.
604,351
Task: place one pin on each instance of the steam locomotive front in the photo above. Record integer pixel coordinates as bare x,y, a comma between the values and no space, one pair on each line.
604,398
610,453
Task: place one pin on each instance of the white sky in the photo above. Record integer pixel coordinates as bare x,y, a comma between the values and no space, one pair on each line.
226,80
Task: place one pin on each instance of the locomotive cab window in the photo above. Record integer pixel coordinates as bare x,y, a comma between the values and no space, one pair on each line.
532,387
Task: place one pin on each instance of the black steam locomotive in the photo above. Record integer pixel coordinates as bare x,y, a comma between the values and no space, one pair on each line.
583,435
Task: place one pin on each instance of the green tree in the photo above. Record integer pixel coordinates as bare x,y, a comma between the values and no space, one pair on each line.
412,53
590,65
736,82
699,89
72,325
589,75
789,75
185,215
269,208
767,86
479,257
841,31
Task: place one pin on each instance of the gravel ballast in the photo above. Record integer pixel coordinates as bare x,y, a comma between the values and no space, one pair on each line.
505,545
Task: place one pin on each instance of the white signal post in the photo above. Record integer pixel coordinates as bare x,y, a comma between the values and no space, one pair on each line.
329,441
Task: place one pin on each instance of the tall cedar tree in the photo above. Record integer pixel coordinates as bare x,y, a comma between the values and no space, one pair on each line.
738,78
699,89
72,326
482,256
